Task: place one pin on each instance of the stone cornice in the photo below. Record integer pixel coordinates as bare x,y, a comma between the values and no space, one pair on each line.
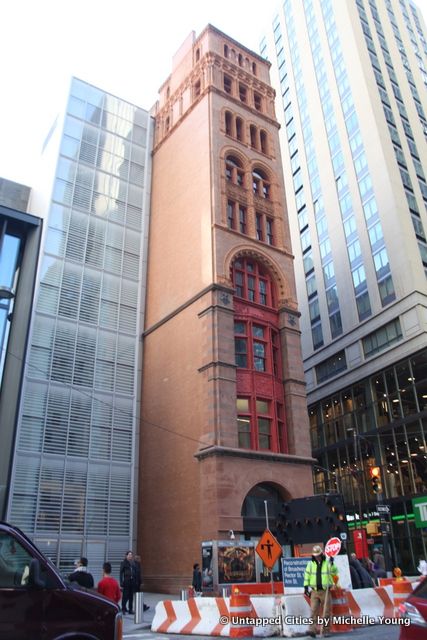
281,458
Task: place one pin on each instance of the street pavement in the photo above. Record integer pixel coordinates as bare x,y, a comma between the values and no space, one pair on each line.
142,630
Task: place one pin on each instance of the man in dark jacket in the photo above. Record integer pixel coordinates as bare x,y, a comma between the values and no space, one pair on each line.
81,575
197,578
128,578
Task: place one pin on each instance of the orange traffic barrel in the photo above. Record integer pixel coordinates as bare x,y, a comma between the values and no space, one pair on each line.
382,582
340,610
240,615
401,590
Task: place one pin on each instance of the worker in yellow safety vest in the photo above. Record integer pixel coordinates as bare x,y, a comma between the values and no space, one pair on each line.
318,579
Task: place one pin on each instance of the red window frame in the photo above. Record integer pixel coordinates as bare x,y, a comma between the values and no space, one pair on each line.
247,275
260,424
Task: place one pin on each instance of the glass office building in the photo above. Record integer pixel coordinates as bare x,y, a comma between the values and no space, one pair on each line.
72,486
351,80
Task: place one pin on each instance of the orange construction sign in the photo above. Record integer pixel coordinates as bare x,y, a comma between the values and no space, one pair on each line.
268,549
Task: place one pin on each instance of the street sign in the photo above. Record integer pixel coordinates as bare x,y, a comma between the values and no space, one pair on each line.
383,508
419,505
268,549
332,547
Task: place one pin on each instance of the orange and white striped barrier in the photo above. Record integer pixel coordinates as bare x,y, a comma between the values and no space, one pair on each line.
340,611
241,615
363,607
215,617
401,590
266,615
371,604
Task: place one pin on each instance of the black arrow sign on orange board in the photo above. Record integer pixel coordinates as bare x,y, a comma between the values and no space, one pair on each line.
268,549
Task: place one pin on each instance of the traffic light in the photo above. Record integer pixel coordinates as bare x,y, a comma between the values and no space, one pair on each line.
375,473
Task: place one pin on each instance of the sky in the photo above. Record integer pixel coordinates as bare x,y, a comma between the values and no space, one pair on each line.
124,47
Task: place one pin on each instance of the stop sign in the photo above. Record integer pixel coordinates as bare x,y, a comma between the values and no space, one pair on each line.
332,547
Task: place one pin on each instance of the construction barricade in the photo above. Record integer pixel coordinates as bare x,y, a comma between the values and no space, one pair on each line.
218,616
401,590
265,616
340,611
241,615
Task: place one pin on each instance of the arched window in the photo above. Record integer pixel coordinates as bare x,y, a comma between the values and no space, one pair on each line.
254,502
260,394
233,171
252,282
225,51
254,68
260,184
240,58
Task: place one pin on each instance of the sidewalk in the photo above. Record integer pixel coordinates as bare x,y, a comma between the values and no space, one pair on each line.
151,599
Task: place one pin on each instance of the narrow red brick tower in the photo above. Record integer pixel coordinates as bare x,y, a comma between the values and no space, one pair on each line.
224,422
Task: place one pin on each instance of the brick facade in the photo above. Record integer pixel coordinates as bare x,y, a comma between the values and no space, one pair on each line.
194,476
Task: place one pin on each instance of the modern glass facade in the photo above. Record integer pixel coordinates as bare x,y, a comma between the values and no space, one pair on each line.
380,421
73,471
350,78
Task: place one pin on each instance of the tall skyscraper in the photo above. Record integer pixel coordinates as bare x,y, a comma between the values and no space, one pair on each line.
351,77
74,463
224,423
20,236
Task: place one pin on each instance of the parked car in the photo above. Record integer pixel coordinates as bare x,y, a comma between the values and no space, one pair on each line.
37,604
415,610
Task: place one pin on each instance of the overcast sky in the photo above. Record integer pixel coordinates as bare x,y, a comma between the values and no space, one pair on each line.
124,47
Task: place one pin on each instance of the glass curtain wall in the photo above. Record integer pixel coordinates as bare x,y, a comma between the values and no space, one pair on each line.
73,469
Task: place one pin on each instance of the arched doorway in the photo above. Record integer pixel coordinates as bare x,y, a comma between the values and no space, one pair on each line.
253,507
254,519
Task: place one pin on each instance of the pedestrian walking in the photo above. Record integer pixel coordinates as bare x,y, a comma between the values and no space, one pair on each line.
128,583
197,578
318,579
81,574
108,586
